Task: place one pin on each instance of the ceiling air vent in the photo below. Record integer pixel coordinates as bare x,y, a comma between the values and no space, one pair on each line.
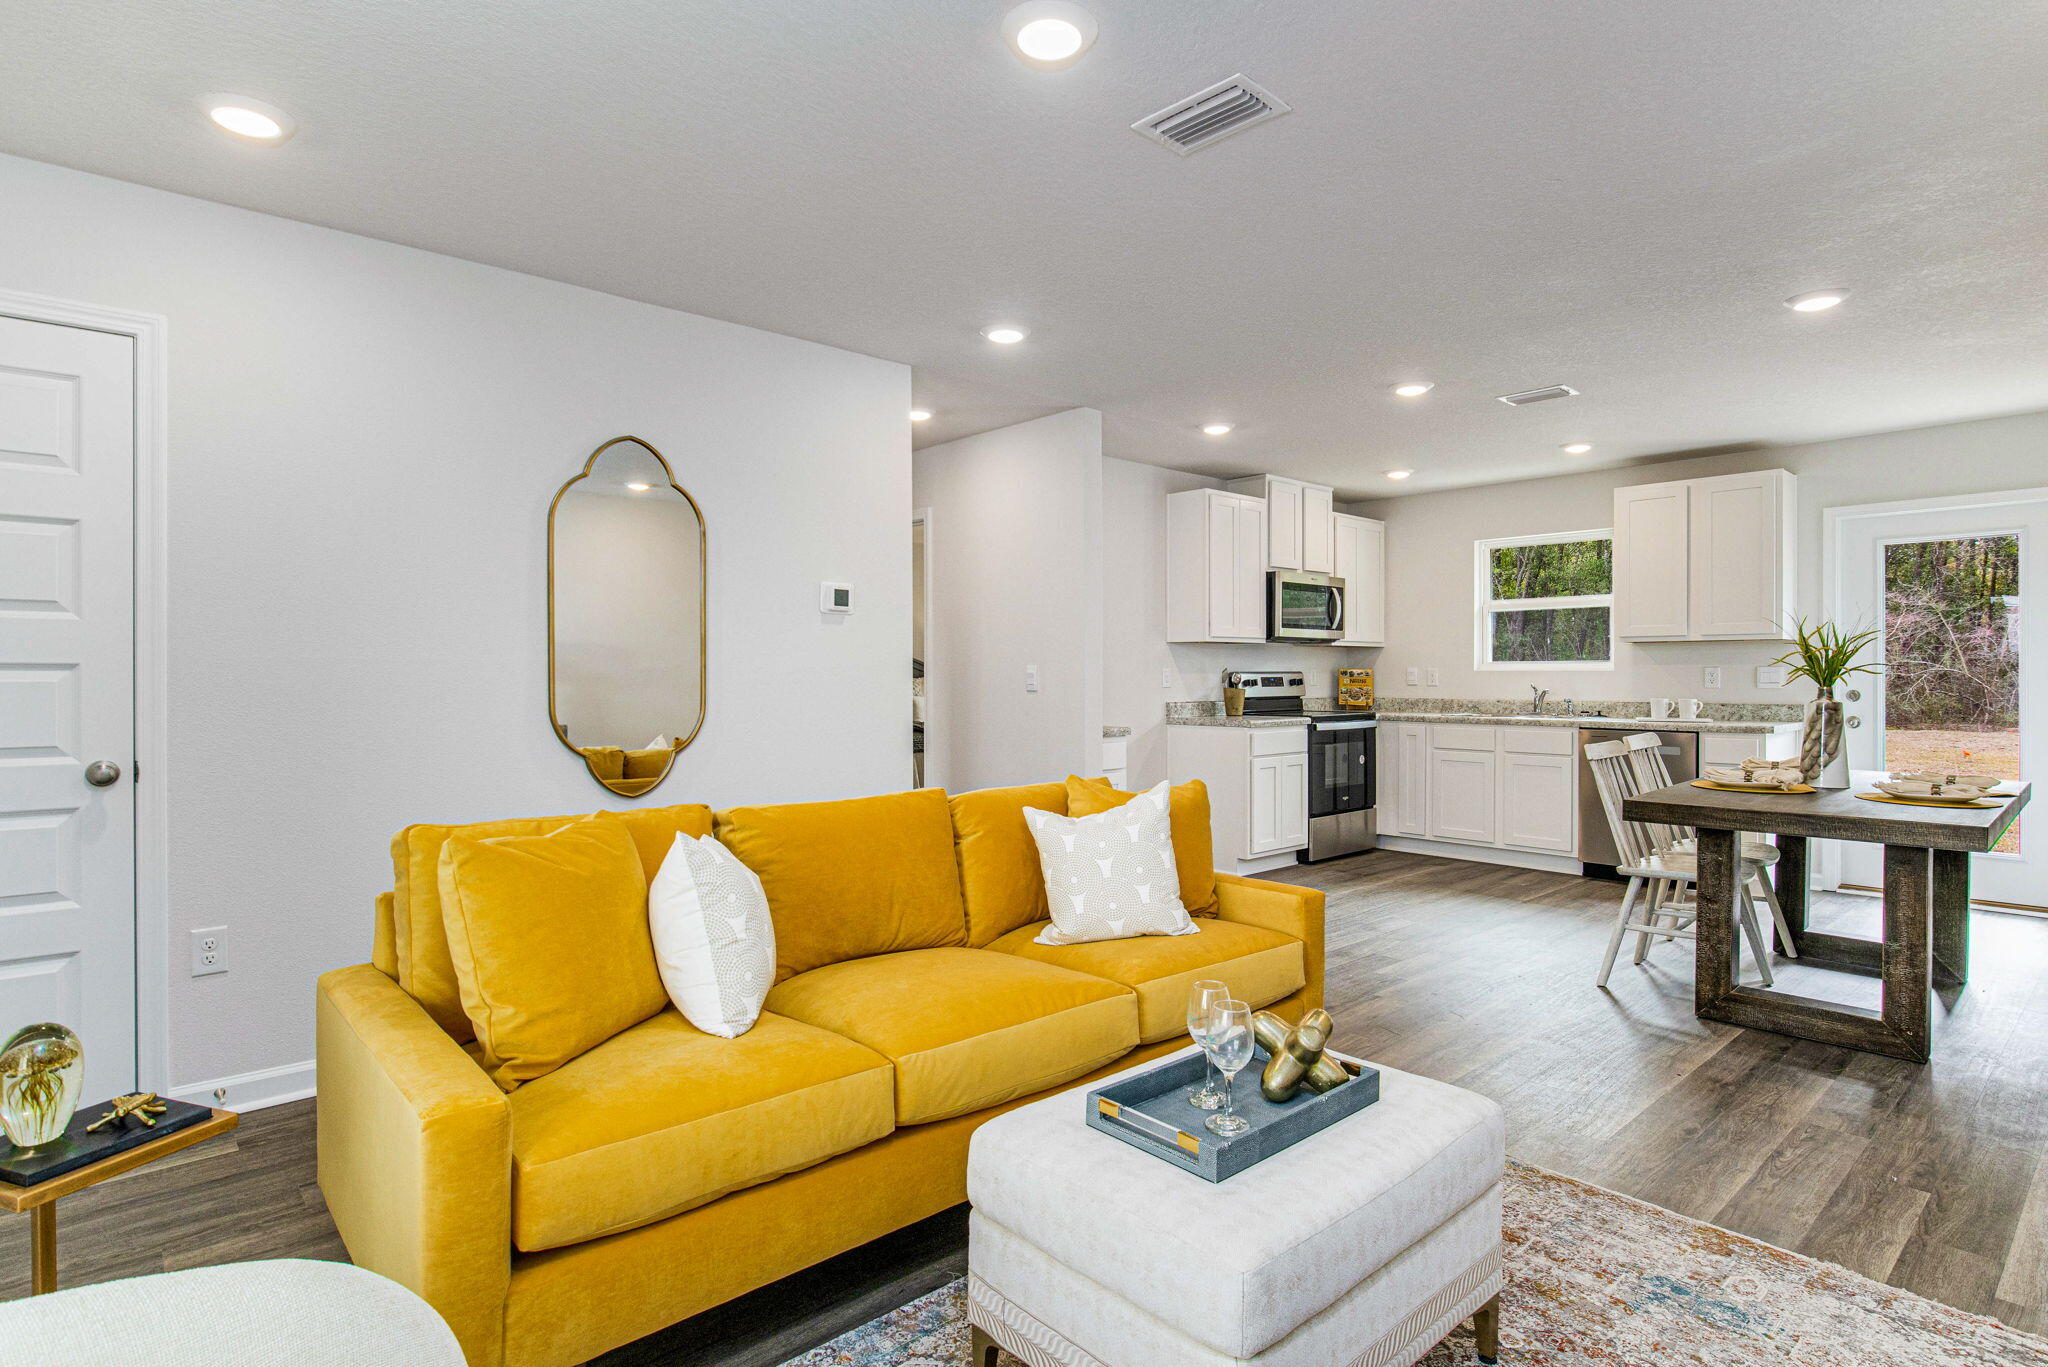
1211,115
1556,391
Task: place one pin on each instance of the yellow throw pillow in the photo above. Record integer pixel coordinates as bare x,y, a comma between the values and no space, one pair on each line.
550,942
1194,850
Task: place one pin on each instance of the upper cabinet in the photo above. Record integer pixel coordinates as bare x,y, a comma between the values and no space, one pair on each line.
1215,566
1705,559
1360,555
1298,531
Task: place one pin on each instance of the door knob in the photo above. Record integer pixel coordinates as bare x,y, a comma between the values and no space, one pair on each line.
100,773
1855,722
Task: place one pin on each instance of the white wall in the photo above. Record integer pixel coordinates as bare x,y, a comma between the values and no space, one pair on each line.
1016,567
1141,672
364,441
1430,555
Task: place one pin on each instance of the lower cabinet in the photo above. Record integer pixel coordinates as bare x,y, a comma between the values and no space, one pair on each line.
1508,787
1461,795
1258,786
1279,803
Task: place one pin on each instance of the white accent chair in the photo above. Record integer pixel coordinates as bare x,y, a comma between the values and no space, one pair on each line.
281,1313
1661,862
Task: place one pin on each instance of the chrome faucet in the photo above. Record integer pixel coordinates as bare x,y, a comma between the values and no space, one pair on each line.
1538,695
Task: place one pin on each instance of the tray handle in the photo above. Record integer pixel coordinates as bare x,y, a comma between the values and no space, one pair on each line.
1149,1127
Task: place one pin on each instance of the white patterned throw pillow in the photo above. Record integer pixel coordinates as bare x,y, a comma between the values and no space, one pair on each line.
713,940
1110,876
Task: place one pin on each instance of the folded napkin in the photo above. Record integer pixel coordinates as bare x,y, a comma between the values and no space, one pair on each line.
1758,771
1923,788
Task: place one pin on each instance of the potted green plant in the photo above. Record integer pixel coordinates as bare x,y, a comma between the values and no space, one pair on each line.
1825,654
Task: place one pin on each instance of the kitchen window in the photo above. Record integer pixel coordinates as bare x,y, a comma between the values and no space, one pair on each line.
1546,602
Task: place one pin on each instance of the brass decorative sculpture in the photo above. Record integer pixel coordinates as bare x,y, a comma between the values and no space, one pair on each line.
1296,1056
141,1106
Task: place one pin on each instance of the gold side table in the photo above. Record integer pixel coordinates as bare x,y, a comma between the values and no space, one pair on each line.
40,1200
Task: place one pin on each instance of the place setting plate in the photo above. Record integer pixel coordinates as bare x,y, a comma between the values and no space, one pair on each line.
1754,787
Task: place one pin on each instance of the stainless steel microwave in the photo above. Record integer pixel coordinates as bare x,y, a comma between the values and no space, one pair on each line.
1304,606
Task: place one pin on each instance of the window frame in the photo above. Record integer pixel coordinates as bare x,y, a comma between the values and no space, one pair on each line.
1485,605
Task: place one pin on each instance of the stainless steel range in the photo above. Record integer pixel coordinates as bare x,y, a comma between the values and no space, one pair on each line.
1343,759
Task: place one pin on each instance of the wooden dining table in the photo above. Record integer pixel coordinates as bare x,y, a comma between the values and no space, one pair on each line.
1926,936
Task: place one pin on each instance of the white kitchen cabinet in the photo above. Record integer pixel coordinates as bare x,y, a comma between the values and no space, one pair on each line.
1461,799
1298,522
1258,788
1359,555
1215,566
1705,559
1537,802
1279,803
1410,767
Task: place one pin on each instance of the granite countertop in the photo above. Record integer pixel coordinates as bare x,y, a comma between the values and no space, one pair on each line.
1248,723
1115,732
1702,724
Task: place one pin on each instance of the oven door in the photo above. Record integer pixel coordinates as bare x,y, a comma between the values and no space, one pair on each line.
1343,764
1304,607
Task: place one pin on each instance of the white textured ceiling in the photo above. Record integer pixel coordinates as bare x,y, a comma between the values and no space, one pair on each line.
1492,194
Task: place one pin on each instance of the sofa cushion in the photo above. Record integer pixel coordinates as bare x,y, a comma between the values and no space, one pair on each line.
424,968
664,1117
1194,847
1261,966
999,875
966,1028
550,942
869,875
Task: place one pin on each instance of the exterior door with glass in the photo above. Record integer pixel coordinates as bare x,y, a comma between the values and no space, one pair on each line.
1955,588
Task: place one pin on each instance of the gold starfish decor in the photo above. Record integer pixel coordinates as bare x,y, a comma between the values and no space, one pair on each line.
141,1106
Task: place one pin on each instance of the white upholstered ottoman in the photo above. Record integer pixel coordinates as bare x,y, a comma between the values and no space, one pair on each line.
1361,1246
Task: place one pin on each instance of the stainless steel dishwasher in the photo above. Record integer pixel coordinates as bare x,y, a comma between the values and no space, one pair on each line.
1597,851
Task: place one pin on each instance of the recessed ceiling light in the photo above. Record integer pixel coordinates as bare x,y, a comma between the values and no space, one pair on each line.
1578,448
1813,301
639,488
1002,334
1399,474
249,119
920,414
1217,429
1415,390
1049,34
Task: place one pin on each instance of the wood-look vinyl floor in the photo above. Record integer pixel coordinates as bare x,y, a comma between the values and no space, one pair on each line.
1933,1178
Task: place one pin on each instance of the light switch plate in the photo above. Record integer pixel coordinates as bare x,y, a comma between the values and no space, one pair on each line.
1030,678
1414,676
1773,676
1710,676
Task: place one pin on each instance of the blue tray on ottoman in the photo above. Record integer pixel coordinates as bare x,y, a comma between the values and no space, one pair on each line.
1150,1111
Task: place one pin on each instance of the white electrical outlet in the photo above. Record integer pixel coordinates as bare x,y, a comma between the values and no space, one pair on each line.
209,950
1030,678
1166,677
1435,678
1710,676
1773,676
1414,676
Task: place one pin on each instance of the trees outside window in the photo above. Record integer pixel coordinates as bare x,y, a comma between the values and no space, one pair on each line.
1546,601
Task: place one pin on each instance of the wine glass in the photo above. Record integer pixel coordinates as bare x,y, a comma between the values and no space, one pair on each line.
1202,996
1230,1049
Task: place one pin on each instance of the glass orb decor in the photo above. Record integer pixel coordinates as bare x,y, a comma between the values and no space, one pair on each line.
41,1069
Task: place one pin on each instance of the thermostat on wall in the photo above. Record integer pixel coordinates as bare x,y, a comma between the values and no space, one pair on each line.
835,598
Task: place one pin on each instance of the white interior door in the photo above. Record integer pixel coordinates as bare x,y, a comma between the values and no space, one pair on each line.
1957,588
67,690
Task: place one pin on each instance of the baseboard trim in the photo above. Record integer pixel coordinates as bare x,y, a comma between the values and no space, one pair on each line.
1483,854
252,1091
1266,863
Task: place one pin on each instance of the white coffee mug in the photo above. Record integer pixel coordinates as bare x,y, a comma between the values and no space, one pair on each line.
1660,707
1689,709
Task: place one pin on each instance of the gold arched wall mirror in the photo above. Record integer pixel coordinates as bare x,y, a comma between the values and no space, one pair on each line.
626,563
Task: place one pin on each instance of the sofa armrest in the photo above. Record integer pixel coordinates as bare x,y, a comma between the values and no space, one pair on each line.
1283,907
415,1155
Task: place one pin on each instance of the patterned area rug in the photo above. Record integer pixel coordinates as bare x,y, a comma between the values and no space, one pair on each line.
1600,1280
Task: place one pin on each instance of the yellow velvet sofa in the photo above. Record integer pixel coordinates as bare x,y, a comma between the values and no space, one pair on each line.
665,1170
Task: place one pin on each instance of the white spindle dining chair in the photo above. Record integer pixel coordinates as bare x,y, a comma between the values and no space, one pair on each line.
1658,861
